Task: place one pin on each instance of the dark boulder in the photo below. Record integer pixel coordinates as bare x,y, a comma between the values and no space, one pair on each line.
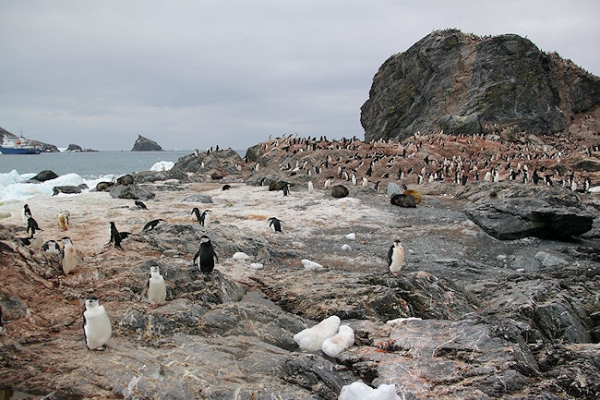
339,191
104,186
44,176
403,200
126,180
132,192
277,185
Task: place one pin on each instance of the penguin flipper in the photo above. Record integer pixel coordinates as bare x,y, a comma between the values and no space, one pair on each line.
389,255
196,257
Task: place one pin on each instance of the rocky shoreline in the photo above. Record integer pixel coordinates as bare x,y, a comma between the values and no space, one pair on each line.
470,315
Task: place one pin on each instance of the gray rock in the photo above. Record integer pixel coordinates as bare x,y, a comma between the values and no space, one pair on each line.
521,217
44,176
199,198
503,80
393,189
126,180
339,191
548,260
133,192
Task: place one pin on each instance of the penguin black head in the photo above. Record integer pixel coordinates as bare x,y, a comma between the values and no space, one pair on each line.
91,301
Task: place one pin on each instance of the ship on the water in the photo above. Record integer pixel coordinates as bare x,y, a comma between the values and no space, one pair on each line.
19,145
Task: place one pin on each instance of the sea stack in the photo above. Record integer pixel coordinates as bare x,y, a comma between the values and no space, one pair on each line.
145,144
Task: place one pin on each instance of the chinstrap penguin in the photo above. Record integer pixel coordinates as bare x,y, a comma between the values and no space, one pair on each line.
96,324
51,247
205,219
32,226
395,257
196,213
205,257
157,289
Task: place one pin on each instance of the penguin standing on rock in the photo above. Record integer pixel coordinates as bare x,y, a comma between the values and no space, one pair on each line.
196,213
205,257
157,289
275,223
396,257
96,324
205,219
140,205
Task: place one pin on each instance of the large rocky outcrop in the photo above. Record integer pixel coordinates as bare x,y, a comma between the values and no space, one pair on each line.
461,83
144,144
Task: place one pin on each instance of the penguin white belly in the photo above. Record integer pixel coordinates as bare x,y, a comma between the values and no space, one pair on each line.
97,327
397,260
69,260
157,290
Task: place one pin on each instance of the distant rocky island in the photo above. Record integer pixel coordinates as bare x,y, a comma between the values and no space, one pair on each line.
144,144
75,148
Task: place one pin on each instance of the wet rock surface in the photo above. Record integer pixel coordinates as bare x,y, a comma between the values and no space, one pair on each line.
469,315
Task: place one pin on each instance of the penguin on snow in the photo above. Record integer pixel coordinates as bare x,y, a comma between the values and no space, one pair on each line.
205,257
275,223
140,205
395,257
96,324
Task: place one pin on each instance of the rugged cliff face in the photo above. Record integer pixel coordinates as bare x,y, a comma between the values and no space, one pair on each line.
462,83
145,144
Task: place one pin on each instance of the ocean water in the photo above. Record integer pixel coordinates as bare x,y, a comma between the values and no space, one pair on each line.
75,169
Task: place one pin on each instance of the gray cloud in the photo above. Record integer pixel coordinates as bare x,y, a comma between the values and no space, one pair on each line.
192,74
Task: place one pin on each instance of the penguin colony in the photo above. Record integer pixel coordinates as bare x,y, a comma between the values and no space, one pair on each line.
419,159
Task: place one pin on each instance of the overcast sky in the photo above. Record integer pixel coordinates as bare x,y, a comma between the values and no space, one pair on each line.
191,74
